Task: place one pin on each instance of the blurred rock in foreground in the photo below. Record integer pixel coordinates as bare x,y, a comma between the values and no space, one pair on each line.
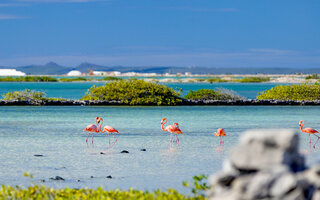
266,165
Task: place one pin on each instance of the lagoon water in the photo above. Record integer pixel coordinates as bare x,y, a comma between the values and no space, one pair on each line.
56,133
77,89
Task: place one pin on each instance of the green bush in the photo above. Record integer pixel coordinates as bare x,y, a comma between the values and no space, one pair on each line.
209,94
313,76
73,79
292,92
215,80
28,79
28,95
134,92
252,80
111,78
25,95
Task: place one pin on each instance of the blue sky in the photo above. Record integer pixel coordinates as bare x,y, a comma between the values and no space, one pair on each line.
212,33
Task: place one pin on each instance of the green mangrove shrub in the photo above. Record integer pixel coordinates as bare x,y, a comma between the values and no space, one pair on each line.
292,92
28,79
24,95
252,80
134,92
312,76
112,78
216,80
73,79
209,94
28,95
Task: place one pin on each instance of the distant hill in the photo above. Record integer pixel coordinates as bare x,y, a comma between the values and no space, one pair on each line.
52,68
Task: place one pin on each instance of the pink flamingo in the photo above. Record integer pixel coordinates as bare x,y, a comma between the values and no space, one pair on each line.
172,129
309,131
109,130
220,133
92,128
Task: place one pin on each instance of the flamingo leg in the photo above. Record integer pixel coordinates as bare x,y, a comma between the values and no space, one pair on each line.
309,141
220,140
170,140
314,146
92,140
177,139
115,140
87,138
109,139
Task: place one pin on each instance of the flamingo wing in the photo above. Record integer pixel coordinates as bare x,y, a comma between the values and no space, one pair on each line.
310,130
221,132
178,131
170,128
110,129
91,128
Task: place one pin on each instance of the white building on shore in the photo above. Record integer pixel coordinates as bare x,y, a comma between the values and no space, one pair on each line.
74,73
11,72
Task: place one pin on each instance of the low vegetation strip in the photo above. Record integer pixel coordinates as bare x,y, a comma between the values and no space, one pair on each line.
140,92
302,92
43,192
28,79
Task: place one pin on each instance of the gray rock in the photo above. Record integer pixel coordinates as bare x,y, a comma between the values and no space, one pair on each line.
57,178
312,176
260,149
316,195
283,184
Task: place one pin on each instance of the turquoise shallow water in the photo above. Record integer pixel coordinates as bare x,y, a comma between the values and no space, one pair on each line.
77,90
56,132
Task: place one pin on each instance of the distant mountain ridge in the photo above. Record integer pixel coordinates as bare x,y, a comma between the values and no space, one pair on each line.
53,68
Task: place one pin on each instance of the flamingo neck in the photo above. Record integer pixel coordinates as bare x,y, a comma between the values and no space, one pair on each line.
165,121
177,125
301,127
97,131
216,134
101,131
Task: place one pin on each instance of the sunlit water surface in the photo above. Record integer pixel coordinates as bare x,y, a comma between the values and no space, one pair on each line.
56,133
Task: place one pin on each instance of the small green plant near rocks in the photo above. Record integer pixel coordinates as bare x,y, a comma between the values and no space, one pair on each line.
292,92
209,94
313,76
134,92
199,186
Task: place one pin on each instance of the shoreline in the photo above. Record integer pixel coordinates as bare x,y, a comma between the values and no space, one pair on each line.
209,78
185,102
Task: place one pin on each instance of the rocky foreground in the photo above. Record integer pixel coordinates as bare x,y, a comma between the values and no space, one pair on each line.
71,102
266,165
